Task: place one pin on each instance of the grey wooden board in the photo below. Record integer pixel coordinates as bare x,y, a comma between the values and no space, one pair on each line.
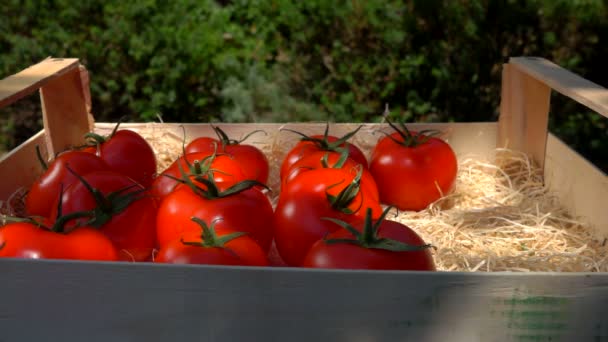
77,301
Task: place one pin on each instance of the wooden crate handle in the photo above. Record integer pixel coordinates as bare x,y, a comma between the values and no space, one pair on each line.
525,101
64,95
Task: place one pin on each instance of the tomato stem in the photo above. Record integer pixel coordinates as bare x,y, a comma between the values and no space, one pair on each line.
43,163
410,139
209,238
225,140
368,238
211,190
111,204
347,195
324,143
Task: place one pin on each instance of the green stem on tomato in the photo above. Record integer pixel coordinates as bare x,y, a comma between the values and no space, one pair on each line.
408,138
369,238
209,238
346,196
211,190
111,204
43,163
324,143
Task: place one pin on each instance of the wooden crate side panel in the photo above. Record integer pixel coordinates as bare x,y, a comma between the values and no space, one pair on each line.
65,111
524,114
70,301
565,82
475,139
581,187
20,167
29,80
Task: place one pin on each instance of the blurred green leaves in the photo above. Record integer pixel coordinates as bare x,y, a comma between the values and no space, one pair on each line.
281,60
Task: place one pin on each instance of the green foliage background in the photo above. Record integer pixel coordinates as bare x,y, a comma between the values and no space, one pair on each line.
280,60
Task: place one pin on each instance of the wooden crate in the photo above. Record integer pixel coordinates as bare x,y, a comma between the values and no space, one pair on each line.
75,301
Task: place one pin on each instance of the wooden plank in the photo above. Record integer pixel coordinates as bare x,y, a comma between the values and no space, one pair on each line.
472,139
64,110
565,82
580,186
524,114
73,301
26,82
20,167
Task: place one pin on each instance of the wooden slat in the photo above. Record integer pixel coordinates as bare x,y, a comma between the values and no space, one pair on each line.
565,82
580,186
20,167
78,301
26,82
524,114
65,111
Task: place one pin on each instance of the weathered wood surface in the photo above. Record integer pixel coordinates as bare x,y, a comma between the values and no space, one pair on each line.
78,301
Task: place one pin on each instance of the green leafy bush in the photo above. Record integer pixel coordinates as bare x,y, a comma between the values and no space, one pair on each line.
280,60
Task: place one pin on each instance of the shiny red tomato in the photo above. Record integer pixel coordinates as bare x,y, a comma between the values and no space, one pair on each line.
330,159
128,153
123,211
45,190
224,169
241,207
377,245
253,161
307,199
412,170
27,240
325,142
214,246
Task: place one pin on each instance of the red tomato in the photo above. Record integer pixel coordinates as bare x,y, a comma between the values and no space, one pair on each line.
314,143
254,162
330,159
128,153
381,245
45,190
409,167
224,169
309,197
248,210
123,212
27,240
214,246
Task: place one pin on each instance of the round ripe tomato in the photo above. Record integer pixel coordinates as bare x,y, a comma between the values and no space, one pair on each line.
214,246
247,210
381,245
123,211
330,159
128,153
254,162
224,169
409,167
45,190
315,143
27,240
307,199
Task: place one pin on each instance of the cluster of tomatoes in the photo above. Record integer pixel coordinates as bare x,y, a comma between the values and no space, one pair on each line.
212,206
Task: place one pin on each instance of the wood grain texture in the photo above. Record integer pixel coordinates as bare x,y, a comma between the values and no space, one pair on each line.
77,301
20,167
524,114
26,82
64,111
580,186
565,82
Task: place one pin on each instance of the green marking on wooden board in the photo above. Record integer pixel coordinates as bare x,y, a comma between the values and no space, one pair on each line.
534,318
